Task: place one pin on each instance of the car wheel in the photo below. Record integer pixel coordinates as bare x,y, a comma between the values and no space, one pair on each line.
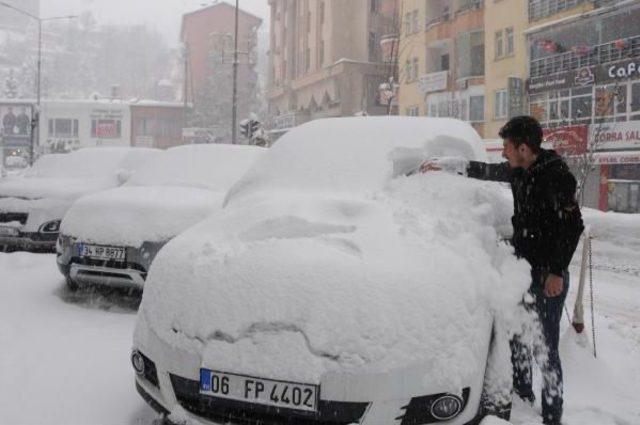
72,285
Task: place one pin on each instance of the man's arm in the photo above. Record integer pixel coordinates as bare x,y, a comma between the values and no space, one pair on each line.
492,172
565,223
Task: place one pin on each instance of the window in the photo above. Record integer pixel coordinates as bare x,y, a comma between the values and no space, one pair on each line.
63,127
321,12
581,108
501,104
635,98
374,6
414,21
307,59
415,70
106,129
476,108
407,24
508,33
413,111
498,44
373,47
321,53
444,62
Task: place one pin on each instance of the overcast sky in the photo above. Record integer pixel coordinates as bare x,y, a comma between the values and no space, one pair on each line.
165,15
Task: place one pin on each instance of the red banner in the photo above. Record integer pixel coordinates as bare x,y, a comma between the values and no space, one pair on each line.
570,140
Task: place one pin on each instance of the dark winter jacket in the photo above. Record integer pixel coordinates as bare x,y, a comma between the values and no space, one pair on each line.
546,222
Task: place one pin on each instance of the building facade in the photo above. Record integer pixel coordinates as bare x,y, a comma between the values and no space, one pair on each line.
207,36
584,87
328,58
157,124
442,60
67,125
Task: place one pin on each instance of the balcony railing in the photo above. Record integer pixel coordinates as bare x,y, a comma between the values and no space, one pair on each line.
540,9
600,54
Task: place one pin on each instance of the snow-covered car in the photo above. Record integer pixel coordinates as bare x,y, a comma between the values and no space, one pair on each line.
33,204
338,286
112,237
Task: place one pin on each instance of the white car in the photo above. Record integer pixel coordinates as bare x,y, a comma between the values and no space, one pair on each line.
338,286
33,205
112,237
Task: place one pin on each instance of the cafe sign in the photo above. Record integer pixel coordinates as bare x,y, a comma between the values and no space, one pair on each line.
619,71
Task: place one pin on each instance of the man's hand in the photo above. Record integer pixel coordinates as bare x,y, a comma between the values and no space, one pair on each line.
553,285
429,166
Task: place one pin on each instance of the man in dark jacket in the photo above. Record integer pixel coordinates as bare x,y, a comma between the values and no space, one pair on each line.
546,229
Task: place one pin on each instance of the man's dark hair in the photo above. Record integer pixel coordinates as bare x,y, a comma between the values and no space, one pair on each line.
523,130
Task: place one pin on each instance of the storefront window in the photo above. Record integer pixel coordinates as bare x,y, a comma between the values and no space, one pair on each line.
635,97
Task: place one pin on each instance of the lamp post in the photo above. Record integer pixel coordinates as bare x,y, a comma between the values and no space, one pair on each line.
234,113
35,119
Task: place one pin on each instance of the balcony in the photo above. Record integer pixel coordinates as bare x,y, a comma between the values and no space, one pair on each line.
540,9
600,54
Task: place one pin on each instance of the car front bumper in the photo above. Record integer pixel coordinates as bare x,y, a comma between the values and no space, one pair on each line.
130,273
170,385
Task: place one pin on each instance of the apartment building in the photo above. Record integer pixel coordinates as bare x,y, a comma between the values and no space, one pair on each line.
328,58
442,59
584,87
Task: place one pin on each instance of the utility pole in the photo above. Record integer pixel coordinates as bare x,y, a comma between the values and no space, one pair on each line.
234,114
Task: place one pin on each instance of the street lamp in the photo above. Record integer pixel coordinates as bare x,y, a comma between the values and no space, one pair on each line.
35,121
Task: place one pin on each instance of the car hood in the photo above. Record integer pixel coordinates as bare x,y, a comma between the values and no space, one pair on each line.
130,216
31,188
297,286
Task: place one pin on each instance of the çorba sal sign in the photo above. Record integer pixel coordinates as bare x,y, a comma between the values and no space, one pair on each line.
615,136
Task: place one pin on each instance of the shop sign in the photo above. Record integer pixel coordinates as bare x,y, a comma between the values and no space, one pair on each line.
616,158
618,135
569,141
618,71
582,77
586,76
515,96
435,81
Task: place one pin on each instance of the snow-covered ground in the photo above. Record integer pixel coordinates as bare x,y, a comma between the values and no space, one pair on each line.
64,359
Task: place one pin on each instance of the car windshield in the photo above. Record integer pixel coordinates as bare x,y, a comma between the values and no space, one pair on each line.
356,155
214,167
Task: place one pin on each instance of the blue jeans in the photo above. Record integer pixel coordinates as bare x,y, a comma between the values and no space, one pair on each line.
548,312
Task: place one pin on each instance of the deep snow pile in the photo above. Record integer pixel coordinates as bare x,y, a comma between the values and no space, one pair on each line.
176,189
336,267
67,176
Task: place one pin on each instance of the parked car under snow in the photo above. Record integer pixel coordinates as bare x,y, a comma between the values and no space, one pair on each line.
337,286
33,204
112,237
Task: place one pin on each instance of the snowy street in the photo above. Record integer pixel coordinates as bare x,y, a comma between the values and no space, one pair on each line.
64,359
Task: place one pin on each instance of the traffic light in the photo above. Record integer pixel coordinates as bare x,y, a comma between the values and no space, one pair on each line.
255,126
245,128
249,127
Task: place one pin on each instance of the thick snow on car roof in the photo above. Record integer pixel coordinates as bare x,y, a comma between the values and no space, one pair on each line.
88,163
357,154
214,167
334,260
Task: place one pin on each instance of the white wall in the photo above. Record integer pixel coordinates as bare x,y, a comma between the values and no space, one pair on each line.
85,112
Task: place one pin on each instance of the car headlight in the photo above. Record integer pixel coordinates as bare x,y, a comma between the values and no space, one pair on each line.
50,227
446,407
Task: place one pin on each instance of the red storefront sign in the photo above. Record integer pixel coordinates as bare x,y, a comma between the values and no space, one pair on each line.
570,140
